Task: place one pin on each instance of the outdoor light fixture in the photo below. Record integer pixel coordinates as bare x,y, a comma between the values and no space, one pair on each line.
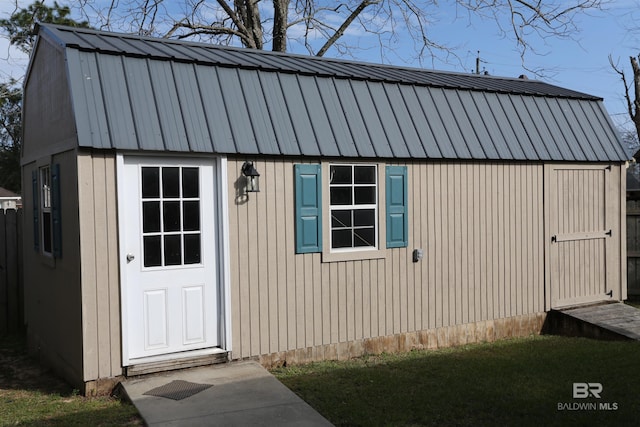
252,176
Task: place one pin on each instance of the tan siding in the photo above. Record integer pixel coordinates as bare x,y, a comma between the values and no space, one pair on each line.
480,246
281,229
287,185
272,259
326,303
235,258
418,236
53,286
429,210
334,319
99,266
623,233
349,309
481,230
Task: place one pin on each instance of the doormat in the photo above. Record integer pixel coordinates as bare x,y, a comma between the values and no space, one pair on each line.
177,390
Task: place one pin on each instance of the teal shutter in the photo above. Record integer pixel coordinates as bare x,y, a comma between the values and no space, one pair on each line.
56,211
397,207
35,191
308,208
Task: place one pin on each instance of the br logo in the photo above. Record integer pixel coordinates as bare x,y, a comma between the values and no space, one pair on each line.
584,390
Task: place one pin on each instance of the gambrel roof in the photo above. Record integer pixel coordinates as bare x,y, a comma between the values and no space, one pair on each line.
136,93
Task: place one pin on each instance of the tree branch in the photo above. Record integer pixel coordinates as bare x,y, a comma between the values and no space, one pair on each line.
636,85
340,31
627,97
198,29
243,33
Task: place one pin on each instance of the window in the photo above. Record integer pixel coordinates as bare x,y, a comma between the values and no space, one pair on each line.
45,209
362,208
171,216
47,224
353,206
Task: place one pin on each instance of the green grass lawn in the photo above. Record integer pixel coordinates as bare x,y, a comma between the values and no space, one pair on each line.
30,396
517,382
634,302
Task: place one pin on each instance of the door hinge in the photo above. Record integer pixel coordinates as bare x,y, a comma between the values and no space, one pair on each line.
610,293
608,233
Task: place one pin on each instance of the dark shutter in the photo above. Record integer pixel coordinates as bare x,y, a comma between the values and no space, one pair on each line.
56,214
308,201
397,207
35,191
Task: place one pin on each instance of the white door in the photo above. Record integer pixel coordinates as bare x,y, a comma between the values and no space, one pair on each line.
168,257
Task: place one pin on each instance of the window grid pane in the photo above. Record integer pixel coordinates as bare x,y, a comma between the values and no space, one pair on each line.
170,216
353,206
45,210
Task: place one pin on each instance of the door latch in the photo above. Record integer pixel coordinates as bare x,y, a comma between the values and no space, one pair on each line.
130,257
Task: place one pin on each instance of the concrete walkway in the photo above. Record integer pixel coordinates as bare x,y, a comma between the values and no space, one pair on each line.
232,394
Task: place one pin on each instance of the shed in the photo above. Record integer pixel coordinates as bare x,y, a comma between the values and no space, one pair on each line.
9,199
398,208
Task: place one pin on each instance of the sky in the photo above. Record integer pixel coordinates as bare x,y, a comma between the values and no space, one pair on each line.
580,63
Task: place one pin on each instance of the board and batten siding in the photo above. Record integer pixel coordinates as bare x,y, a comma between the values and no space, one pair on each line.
102,351
52,299
481,229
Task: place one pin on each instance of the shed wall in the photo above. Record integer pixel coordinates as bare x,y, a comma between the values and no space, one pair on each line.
53,304
72,303
98,228
481,228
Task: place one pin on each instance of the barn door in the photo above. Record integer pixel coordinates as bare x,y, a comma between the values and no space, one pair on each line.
580,234
168,258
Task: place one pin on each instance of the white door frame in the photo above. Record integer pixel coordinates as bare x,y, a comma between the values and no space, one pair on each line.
222,250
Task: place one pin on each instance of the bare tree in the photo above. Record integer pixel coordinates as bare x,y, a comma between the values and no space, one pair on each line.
525,20
633,105
320,25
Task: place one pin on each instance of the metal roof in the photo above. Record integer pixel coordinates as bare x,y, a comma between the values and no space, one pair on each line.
139,93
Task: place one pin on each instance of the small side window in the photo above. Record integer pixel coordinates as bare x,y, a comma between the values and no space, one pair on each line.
47,223
45,210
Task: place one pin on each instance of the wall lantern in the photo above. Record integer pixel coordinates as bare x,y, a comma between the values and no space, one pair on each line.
252,177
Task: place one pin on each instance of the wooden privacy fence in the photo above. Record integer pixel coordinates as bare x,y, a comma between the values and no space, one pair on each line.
633,248
11,283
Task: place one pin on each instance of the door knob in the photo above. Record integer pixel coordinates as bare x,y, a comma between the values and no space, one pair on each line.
130,257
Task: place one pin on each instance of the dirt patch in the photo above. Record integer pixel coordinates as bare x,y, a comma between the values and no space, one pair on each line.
18,371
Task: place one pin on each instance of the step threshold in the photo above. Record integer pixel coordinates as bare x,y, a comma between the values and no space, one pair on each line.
176,363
